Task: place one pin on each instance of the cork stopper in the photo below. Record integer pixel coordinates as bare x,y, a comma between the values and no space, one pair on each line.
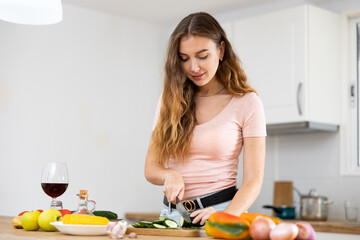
83,194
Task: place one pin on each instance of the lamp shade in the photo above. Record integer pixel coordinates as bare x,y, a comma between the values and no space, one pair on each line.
32,12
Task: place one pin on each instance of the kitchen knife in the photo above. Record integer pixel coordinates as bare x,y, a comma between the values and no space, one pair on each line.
181,209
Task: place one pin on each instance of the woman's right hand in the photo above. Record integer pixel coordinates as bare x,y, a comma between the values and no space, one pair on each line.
174,186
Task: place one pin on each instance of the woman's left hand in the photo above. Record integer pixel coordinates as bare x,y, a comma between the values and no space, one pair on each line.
202,214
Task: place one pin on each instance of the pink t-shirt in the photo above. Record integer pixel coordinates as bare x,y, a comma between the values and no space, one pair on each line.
216,145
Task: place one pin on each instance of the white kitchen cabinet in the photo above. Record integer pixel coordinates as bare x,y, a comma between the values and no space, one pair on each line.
291,58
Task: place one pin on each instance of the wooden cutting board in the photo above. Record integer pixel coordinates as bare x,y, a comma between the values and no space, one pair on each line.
167,232
283,193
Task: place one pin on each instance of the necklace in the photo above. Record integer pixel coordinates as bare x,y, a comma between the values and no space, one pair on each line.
212,94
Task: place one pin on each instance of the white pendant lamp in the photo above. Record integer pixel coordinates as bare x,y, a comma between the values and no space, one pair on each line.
31,12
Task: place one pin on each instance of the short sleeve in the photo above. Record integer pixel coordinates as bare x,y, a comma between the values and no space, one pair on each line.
254,124
157,113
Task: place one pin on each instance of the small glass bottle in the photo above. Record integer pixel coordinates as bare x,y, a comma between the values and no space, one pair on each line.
83,207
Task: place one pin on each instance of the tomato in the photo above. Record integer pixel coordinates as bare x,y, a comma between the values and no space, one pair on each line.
20,214
65,211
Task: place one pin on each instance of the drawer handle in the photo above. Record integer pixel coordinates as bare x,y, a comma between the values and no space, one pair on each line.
298,99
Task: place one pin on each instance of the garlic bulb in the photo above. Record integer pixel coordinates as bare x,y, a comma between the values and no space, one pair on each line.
117,230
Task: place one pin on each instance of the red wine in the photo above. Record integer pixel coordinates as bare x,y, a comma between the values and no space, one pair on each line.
54,189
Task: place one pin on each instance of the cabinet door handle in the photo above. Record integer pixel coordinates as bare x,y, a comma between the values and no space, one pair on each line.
298,99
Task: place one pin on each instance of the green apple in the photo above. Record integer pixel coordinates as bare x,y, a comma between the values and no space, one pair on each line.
29,221
48,216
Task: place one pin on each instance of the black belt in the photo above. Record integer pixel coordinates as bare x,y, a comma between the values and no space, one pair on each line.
216,198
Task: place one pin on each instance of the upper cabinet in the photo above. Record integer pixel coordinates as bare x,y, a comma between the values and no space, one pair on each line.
291,58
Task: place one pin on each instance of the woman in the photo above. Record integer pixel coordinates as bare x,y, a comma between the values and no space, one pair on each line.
206,115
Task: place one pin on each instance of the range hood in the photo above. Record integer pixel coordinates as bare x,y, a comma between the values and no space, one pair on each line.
299,127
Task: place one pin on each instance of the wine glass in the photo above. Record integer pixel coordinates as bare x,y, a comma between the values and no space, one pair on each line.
54,181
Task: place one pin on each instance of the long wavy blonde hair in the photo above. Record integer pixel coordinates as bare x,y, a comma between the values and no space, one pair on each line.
172,135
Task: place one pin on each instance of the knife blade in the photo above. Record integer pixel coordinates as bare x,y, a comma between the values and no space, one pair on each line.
181,209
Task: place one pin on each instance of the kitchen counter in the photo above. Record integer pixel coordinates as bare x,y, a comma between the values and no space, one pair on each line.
8,232
334,227
319,226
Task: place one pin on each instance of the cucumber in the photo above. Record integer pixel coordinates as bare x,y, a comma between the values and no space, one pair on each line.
191,225
108,214
159,226
159,222
145,224
182,220
162,218
136,225
171,224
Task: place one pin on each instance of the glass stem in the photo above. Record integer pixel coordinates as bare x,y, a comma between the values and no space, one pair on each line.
56,204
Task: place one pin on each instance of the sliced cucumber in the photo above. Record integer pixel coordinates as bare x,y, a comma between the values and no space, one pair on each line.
162,223
171,224
159,226
191,225
145,222
135,225
182,220
159,222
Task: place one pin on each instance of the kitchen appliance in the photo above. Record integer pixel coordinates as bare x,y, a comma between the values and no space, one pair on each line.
312,206
283,212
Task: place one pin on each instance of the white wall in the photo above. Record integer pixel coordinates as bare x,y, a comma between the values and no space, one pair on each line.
83,91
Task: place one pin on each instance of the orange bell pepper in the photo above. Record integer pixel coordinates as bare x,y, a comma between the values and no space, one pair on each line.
227,226
251,216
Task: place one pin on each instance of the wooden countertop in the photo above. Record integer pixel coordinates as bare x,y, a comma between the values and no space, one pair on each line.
8,232
319,226
334,226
